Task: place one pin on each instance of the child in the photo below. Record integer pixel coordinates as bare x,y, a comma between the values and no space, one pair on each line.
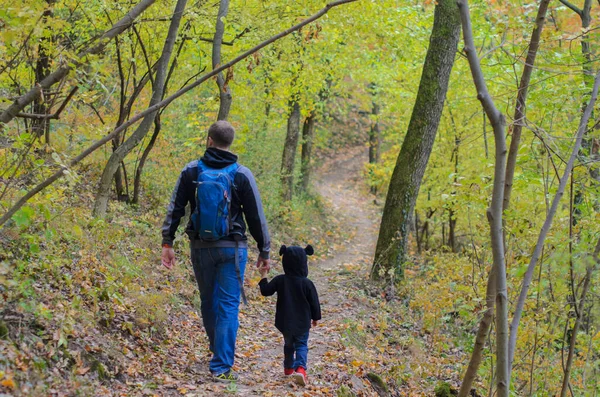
297,304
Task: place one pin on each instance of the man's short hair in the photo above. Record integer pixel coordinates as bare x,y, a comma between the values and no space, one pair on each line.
222,133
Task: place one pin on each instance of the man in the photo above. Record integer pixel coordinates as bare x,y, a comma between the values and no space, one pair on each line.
219,275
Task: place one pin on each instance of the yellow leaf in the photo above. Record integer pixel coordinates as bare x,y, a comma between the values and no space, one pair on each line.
8,383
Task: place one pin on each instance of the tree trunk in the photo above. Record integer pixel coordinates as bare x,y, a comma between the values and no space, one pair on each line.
19,104
289,151
486,321
308,130
494,212
411,163
588,73
519,118
578,318
374,136
484,327
119,187
42,68
451,213
225,97
118,155
137,182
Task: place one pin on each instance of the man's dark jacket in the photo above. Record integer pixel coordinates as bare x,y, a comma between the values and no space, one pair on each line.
297,298
245,199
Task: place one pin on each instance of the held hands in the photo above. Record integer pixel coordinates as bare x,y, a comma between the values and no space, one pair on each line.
263,266
168,257
263,270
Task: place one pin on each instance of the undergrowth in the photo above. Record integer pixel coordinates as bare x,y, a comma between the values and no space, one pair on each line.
83,300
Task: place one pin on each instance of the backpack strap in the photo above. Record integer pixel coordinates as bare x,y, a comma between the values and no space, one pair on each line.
232,170
201,169
237,268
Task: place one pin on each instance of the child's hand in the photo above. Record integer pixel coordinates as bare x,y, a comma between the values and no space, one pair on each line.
314,323
263,271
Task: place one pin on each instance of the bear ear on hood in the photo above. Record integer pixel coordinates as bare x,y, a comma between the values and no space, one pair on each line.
309,250
282,250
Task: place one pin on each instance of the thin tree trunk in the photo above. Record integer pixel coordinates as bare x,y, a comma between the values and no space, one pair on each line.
118,155
374,136
579,313
486,321
42,68
451,213
482,332
495,210
308,130
19,104
162,104
225,97
588,73
390,254
514,327
519,118
289,151
122,100
137,182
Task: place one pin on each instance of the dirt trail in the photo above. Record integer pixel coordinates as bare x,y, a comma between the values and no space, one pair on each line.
260,346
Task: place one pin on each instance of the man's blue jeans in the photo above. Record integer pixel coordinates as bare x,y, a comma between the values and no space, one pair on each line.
220,300
295,351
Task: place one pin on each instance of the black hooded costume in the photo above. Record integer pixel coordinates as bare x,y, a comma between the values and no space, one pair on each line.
297,298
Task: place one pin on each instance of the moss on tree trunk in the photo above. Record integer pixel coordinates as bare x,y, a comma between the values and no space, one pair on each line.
390,254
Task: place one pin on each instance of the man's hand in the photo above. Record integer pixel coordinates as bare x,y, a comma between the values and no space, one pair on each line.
263,263
168,257
314,323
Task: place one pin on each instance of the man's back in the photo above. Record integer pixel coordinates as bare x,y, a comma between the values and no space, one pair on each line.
219,264
246,200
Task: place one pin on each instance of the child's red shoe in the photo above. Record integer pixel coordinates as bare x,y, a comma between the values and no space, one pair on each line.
288,371
299,376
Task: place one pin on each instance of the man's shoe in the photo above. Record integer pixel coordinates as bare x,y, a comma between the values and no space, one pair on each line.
226,377
299,376
288,371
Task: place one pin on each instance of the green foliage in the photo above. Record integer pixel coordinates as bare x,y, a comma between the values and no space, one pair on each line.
444,390
63,273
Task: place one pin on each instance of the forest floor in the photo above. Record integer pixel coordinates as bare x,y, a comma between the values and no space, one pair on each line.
138,332
259,353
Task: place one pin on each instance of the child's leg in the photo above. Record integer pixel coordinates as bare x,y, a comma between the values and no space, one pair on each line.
288,352
301,348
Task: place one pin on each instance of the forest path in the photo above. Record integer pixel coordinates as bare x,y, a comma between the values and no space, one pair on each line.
259,353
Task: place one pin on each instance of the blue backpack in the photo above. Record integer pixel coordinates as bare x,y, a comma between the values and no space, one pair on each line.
212,217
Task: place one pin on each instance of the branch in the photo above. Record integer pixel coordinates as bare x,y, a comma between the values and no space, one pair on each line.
20,103
229,43
98,144
9,63
97,112
521,100
495,215
55,115
572,7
